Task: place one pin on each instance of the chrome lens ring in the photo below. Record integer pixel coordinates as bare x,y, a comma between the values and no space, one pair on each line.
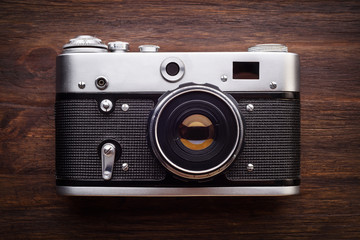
172,77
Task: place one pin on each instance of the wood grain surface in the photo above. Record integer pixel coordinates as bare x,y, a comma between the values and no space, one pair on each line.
326,35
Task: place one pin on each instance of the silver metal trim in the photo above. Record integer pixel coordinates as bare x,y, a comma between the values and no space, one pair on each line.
168,77
122,70
108,160
177,192
84,50
166,162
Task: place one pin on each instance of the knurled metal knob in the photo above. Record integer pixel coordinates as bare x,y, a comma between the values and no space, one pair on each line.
149,48
268,48
118,46
85,41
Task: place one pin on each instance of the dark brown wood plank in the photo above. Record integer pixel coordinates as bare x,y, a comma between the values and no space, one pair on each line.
38,210
325,34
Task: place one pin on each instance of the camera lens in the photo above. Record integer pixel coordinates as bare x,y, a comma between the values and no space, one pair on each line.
196,132
172,69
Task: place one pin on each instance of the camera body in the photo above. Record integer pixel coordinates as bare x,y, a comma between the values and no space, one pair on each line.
155,123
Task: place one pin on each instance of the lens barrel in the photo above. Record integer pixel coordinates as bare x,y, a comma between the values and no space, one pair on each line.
196,131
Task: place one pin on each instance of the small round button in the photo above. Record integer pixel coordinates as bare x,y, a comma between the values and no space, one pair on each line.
149,48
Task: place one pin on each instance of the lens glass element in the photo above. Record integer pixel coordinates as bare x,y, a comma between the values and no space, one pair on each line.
196,132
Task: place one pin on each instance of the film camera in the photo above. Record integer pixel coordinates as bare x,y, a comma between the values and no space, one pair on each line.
152,123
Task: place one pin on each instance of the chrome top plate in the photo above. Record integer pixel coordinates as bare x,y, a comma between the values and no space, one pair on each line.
140,72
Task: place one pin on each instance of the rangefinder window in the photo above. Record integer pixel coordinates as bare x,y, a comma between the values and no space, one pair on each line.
246,70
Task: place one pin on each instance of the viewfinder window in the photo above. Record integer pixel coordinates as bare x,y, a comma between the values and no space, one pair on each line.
246,70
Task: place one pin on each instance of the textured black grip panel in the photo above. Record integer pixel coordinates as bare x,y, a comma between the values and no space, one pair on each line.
272,141
81,127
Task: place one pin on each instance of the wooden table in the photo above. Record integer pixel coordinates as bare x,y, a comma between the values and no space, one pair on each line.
326,35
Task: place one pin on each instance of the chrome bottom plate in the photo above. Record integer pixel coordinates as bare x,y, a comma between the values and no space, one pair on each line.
177,192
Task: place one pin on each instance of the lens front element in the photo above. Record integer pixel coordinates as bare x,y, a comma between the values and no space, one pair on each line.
196,132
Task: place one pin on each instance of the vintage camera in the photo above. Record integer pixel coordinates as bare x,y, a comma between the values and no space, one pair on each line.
152,123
